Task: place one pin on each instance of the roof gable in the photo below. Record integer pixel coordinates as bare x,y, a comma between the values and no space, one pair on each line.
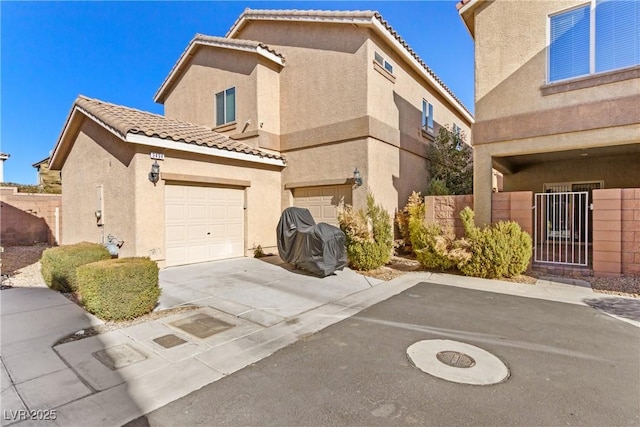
136,126
368,18
201,40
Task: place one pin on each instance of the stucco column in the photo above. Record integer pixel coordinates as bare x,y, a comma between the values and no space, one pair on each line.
482,186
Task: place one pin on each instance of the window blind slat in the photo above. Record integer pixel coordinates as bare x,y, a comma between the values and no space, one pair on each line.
569,49
617,37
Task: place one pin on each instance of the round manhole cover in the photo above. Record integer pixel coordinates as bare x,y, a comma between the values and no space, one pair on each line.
456,359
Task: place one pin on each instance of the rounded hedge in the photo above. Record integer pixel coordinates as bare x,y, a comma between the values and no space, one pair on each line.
119,289
59,264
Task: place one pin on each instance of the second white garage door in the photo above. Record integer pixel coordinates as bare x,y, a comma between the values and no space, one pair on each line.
323,201
203,223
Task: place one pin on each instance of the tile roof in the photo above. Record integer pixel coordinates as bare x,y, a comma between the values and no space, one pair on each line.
338,16
233,43
221,42
124,120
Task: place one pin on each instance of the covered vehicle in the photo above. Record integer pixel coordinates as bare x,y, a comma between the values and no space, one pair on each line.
317,248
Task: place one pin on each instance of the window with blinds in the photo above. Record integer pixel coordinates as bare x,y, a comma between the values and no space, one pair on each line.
598,37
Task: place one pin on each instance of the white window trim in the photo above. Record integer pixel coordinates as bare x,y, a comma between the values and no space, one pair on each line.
592,44
384,62
224,100
425,117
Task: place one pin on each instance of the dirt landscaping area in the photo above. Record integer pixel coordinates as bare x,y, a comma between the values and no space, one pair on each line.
20,267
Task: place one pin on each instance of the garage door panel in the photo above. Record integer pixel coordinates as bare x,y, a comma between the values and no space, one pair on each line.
174,212
322,202
198,213
203,223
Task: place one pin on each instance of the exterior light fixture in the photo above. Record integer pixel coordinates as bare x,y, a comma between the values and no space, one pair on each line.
154,175
357,178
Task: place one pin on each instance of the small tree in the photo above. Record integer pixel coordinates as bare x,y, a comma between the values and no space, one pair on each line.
450,164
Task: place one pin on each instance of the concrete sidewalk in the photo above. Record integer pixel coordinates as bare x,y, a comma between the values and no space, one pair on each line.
257,307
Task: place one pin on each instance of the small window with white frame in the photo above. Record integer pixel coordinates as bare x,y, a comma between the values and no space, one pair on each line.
427,117
226,106
383,62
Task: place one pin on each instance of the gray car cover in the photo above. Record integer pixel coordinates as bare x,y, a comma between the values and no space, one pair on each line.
317,248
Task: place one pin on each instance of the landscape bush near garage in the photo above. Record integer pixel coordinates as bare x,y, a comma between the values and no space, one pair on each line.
59,264
369,235
119,289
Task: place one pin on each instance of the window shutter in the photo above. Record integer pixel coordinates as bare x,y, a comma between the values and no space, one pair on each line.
424,113
569,44
617,34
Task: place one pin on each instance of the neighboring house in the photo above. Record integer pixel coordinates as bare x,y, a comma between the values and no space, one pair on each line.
557,108
48,179
280,112
3,157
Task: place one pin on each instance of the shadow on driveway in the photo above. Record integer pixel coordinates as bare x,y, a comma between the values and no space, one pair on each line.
623,307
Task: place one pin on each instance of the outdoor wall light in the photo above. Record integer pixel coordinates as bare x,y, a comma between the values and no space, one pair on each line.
154,175
357,178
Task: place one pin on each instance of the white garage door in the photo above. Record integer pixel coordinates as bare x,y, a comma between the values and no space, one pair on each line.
203,224
323,201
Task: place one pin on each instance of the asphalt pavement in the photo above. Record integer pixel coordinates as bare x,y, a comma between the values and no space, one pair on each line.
569,364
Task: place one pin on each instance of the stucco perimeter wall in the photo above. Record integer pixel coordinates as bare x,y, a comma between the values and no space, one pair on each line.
98,157
511,206
445,211
616,232
322,81
262,196
27,218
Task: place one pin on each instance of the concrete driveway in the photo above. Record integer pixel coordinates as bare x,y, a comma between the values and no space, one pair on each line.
265,291
569,365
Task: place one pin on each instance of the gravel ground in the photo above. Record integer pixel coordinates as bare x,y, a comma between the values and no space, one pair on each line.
20,266
624,285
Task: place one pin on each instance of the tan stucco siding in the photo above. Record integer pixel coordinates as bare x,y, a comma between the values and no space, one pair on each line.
394,174
323,81
213,70
98,157
318,164
511,64
398,101
262,197
615,172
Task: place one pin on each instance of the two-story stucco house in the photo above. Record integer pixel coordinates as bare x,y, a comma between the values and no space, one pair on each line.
557,111
279,112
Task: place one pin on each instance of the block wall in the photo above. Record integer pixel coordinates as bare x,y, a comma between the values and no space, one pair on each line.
27,218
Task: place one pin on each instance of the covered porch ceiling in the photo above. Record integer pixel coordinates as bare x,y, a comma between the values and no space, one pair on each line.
512,164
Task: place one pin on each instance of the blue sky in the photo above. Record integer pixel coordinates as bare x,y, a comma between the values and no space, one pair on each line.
120,52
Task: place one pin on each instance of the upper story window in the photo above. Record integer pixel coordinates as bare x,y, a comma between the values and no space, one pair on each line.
383,62
427,116
603,35
226,106
456,130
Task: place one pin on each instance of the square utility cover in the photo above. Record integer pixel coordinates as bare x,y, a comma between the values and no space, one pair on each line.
169,341
201,325
119,356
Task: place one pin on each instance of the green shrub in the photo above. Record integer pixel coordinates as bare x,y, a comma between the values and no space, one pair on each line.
59,264
403,217
501,250
119,289
435,252
369,235
416,225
